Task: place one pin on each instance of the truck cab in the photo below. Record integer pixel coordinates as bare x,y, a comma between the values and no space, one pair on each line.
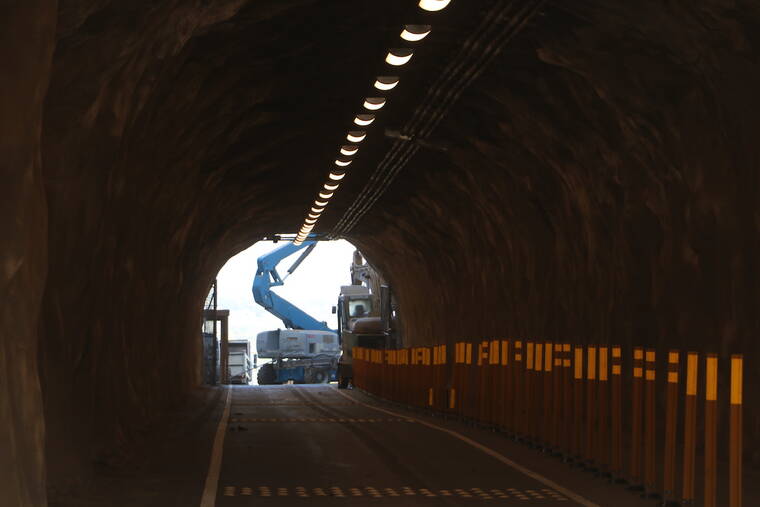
359,325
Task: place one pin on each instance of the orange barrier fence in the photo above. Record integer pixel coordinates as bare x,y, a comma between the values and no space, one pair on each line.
588,404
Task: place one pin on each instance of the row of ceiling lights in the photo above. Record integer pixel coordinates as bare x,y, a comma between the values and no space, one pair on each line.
396,57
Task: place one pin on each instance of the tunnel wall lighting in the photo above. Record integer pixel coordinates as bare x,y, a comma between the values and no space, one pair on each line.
320,204
330,187
374,103
317,210
399,56
325,195
337,176
414,33
433,5
386,82
310,221
342,162
356,136
364,119
348,149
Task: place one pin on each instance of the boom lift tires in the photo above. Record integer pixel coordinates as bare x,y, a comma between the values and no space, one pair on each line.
266,375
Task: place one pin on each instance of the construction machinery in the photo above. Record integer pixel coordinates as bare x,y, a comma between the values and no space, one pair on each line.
367,316
307,351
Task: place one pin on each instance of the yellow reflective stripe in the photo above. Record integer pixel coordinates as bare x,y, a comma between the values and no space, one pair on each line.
736,379
692,366
504,352
591,366
672,377
602,363
548,356
711,378
539,359
578,363
529,363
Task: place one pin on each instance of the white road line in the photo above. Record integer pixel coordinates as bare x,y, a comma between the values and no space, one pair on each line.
212,479
494,454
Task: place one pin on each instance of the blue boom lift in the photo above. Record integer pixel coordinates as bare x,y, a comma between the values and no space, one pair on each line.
307,351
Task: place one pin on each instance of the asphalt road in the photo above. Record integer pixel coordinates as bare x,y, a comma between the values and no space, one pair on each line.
292,445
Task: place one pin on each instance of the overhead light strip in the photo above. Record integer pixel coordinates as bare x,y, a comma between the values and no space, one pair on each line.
395,57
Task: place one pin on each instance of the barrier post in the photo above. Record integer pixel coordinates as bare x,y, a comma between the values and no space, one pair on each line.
457,381
616,415
650,437
517,391
711,429
557,376
528,394
636,414
590,407
506,400
602,440
567,378
671,415
578,404
549,419
494,384
479,381
735,434
690,427
538,418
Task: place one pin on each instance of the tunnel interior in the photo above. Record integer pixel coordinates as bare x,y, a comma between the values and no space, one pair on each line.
584,172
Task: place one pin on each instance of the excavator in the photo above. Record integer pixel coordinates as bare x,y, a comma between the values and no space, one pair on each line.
307,350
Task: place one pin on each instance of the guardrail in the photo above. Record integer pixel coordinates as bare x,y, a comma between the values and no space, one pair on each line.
597,407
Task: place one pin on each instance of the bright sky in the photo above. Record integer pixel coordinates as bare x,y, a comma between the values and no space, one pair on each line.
313,287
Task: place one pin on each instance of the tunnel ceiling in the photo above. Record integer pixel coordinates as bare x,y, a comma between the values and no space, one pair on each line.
594,179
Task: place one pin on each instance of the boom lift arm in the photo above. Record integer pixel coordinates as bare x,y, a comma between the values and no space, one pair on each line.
267,277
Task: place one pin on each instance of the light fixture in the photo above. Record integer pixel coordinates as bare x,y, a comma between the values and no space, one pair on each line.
374,103
325,195
386,82
317,210
306,228
348,149
319,203
356,136
331,187
413,33
399,56
342,161
310,222
433,5
314,216
364,119
297,242
337,175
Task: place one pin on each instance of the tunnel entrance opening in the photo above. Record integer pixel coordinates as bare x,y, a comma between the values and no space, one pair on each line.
301,329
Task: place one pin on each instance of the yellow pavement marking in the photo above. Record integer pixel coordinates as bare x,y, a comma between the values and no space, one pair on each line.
370,491
311,420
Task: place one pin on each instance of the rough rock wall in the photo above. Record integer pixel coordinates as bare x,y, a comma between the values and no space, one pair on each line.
168,147
27,34
602,186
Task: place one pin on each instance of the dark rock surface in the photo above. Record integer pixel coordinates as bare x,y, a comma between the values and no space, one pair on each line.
601,185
